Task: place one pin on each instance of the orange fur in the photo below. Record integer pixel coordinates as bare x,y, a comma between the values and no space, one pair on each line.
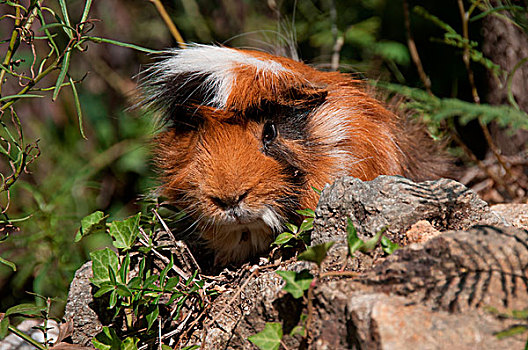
240,189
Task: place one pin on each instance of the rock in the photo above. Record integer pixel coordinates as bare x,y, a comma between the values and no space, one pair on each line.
81,309
397,203
421,232
434,295
515,214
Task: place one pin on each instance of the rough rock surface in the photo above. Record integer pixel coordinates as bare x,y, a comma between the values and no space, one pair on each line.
515,214
81,309
435,294
397,203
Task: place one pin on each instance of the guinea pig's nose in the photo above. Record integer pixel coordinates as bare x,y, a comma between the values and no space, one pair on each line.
229,201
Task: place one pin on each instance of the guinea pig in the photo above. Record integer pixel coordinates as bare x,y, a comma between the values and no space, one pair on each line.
248,135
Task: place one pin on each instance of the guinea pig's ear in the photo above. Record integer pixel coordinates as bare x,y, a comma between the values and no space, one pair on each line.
223,78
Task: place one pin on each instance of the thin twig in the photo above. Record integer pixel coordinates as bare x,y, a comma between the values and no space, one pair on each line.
163,258
476,98
239,290
169,23
414,51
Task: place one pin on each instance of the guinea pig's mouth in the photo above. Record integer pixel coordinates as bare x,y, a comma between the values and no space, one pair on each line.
240,216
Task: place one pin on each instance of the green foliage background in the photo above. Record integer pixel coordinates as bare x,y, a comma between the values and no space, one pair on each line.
110,169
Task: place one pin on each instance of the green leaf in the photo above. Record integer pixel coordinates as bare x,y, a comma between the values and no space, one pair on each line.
171,283
354,242
293,229
165,270
93,223
130,343
4,327
103,261
371,244
86,10
64,10
125,232
107,339
78,108
123,291
62,73
306,212
388,246
25,309
8,263
316,253
152,316
113,299
269,338
283,238
517,329
127,45
124,269
11,97
105,288
306,225
296,282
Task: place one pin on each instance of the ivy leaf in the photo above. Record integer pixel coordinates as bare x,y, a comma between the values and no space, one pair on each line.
103,261
125,232
354,242
296,282
283,238
316,253
269,338
93,223
388,246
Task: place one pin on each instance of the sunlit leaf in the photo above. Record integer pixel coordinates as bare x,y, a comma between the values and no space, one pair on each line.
103,261
316,253
125,232
296,282
269,338
93,223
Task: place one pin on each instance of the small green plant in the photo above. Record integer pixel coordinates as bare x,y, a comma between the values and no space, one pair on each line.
520,328
28,311
297,234
301,284
138,298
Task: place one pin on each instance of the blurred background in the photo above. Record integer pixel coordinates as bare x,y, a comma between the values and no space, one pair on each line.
67,176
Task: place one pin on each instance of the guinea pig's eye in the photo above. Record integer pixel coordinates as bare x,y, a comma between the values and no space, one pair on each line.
269,133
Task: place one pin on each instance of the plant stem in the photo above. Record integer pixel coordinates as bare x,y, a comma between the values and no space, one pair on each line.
11,48
169,23
30,85
476,98
414,51
26,337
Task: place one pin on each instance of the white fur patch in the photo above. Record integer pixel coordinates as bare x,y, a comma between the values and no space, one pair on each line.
217,63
